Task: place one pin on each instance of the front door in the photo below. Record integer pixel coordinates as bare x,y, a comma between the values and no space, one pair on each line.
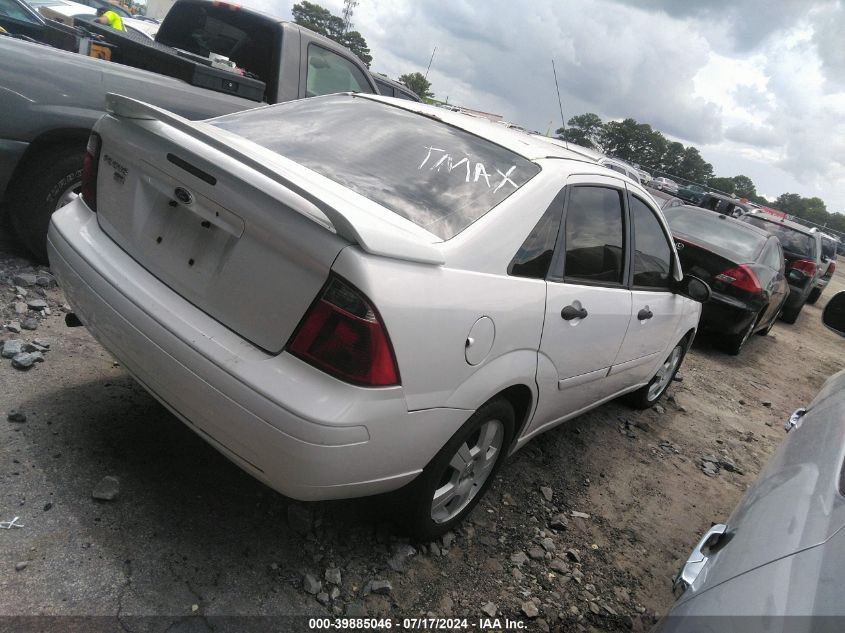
588,305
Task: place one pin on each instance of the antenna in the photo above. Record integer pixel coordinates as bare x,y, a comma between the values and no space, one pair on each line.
348,10
429,61
560,105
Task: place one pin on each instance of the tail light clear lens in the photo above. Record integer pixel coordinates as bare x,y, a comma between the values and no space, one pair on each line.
741,277
805,266
343,335
90,165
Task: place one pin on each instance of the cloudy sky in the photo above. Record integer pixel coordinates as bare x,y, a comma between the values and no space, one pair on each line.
757,85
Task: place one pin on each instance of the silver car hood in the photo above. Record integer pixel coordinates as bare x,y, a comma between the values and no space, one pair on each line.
796,502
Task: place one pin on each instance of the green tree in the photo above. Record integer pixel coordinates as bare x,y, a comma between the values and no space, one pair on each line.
744,187
723,184
583,129
418,84
634,142
670,162
320,20
694,167
356,43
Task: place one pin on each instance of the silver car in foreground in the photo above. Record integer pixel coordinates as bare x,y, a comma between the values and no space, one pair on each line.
776,564
349,295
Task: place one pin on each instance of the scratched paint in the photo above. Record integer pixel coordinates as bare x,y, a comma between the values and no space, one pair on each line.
442,161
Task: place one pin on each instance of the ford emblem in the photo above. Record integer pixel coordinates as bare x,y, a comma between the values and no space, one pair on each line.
183,195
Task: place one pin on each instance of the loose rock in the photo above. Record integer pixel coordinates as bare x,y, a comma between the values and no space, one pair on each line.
536,553
12,348
16,416
573,555
547,493
519,558
107,489
548,544
19,307
24,280
311,584
36,304
14,327
530,609
30,323
559,522
21,566
490,609
382,587
25,360
333,576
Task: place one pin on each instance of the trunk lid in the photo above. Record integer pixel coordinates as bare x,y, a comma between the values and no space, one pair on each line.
702,259
231,241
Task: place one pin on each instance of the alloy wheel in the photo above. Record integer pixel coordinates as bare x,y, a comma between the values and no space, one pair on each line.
664,374
466,472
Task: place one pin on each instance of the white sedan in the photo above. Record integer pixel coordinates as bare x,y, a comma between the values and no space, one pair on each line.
349,295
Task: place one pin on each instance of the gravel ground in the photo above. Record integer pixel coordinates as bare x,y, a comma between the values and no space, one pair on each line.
582,530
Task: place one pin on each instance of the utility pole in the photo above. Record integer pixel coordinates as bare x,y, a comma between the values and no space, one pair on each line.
348,10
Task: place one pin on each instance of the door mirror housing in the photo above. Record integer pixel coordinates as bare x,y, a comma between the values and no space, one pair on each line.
834,313
693,288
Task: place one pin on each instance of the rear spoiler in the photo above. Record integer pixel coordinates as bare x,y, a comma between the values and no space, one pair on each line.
355,220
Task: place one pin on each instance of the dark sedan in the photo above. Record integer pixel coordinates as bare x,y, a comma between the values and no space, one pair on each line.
744,266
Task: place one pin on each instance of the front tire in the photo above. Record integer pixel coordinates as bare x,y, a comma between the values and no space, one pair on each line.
461,472
50,179
647,396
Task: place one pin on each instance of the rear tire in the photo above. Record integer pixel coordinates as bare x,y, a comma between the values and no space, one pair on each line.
647,396
790,315
814,295
48,181
733,344
444,494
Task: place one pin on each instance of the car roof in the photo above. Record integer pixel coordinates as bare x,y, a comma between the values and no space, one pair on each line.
793,225
530,146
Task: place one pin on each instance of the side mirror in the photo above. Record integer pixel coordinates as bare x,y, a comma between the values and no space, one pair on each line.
693,288
833,315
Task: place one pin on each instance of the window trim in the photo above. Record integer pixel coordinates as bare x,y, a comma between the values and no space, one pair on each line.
560,201
557,272
670,242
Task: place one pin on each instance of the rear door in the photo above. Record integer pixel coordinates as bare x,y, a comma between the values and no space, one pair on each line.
656,310
775,284
588,305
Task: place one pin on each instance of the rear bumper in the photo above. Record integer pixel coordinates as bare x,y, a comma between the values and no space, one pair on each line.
726,315
302,432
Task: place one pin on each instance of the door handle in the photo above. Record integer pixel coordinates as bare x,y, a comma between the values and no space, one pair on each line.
644,314
571,312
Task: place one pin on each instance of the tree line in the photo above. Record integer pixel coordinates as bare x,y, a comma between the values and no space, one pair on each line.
645,147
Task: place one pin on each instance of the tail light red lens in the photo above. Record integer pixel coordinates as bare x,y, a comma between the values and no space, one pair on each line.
805,266
343,335
831,269
741,277
90,165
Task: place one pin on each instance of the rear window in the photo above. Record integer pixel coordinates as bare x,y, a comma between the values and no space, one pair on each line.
708,227
437,176
792,240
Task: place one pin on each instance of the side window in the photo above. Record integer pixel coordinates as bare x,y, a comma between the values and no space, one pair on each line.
652,253
11,10
328,73
384,88
595,236
535,255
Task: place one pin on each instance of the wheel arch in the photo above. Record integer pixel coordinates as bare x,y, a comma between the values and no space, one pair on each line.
51,138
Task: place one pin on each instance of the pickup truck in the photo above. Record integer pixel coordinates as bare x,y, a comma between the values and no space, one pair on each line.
50,99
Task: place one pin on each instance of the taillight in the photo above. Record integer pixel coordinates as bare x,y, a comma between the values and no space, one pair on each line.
741,277
90,165
343,335
805,266
831,269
